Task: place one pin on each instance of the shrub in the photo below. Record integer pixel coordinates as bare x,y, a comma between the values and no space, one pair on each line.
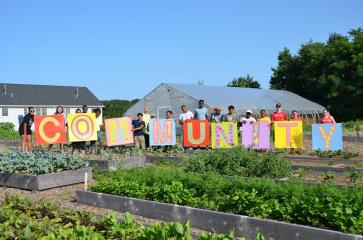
38,162
239,162
7,130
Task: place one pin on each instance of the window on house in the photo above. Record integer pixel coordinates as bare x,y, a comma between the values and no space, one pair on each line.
37,111
68,110
44,111
25,111
5,112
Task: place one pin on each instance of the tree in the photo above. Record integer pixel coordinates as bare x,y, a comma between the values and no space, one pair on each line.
115,108
244,82
329,73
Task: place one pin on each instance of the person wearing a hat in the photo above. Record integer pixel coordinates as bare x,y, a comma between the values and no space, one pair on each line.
278,115
248,119
217,115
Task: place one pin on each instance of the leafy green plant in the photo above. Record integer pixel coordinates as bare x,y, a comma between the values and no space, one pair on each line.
238,162
335,154
38,162
22,219
353,175
300,173
321,205
329,177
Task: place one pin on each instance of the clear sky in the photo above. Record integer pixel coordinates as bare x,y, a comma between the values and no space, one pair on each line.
123,49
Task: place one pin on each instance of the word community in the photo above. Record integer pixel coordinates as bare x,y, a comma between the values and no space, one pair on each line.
196,133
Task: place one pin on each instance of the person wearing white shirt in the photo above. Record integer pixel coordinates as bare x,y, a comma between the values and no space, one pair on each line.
184,116
248,119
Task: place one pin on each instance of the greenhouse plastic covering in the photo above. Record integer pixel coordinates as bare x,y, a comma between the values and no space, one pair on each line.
248,98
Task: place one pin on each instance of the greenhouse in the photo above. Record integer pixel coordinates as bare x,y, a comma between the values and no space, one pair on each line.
171,96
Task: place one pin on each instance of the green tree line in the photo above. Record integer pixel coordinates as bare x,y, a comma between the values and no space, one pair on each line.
116,108
329,73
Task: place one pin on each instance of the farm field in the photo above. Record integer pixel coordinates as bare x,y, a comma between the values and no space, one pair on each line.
177,180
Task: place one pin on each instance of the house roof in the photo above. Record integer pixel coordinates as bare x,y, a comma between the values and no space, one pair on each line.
45,95
248,98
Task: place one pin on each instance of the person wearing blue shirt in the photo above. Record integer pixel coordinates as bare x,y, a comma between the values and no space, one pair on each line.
201,113
217,116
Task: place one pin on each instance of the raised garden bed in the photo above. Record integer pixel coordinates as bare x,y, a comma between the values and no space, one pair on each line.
45,181
210,220
25,219
317,205
111,165
153,158
129,162
337,170
338,160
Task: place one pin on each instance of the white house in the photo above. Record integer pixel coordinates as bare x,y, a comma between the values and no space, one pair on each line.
16,98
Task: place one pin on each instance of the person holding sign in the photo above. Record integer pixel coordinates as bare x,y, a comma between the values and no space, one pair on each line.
146,118
201,113
82,145
248,119
169,114
60,111
25,130
295,116
278,115
77,145
184,116
99,127
138,129
327,118
217,116
263,117
232,116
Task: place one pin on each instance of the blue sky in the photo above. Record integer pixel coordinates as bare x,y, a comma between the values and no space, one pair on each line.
123,49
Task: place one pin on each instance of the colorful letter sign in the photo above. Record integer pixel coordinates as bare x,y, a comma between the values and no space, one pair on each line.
256,135
49,129
162,132
288,134
327,137
196,133
82,127
224,134
119,131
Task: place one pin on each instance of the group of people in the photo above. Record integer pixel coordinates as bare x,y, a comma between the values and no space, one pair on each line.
140,126
201,113
25,129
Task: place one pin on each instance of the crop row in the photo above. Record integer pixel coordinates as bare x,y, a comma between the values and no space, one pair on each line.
323,206
22,219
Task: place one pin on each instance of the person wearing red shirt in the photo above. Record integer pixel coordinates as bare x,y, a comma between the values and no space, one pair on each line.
295,116
278,115
327,118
